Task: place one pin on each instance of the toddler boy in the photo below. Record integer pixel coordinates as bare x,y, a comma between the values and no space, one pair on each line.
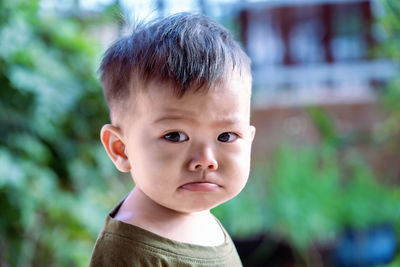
178,90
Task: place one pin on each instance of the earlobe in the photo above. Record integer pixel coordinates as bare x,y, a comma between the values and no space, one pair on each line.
114,145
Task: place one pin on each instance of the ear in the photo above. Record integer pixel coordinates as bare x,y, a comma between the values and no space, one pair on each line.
252,132
111,138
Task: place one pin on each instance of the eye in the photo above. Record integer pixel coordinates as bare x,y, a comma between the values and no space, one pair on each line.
227,137
176,137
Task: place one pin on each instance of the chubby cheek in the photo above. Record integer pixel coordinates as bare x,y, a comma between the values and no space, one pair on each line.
236,168
238,177
155,164
166,156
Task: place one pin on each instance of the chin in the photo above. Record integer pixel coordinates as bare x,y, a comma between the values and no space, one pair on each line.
198,208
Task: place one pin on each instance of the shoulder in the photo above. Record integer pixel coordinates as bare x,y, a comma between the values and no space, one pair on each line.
114,250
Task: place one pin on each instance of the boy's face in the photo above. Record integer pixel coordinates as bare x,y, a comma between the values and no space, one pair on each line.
192,153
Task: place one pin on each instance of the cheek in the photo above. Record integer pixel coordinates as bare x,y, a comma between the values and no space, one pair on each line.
167,154
240,152
154,160
237,165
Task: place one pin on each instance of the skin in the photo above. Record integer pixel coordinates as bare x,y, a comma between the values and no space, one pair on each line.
186,156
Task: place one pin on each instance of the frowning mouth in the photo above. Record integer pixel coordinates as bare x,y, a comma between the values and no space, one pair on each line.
201,187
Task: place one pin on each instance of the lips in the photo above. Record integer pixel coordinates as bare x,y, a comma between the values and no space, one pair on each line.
201,187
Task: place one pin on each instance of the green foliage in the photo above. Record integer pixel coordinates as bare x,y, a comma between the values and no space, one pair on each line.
388,132
323,123
52,168
391,24
303,193
309,196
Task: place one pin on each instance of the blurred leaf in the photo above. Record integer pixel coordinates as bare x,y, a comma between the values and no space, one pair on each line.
51,168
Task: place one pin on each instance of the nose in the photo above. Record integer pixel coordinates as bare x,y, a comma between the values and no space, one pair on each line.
203,159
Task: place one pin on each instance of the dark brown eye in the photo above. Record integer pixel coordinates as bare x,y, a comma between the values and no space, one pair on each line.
176,137
227,137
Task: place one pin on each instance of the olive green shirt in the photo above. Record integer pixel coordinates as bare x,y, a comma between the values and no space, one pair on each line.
122,244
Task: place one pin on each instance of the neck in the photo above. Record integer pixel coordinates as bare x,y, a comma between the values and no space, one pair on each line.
194,227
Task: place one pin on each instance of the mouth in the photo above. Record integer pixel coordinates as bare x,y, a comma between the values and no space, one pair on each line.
201,187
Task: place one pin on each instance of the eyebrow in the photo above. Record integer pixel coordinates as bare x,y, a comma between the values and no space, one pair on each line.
223,122
172,118
227,122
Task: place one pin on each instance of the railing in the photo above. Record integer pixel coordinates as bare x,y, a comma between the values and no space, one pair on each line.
319,83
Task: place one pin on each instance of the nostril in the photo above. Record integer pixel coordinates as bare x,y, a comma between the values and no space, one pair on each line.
199,166
196,166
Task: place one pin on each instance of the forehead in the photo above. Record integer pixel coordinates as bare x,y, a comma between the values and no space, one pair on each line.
230,98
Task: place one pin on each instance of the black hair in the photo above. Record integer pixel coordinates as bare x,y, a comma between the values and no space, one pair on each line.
186,50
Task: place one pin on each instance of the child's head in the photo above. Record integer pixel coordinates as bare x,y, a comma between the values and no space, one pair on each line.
179,91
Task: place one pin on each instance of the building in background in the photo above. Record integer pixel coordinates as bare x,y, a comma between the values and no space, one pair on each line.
313,51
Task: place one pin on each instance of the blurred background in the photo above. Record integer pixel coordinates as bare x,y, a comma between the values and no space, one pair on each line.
325,183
